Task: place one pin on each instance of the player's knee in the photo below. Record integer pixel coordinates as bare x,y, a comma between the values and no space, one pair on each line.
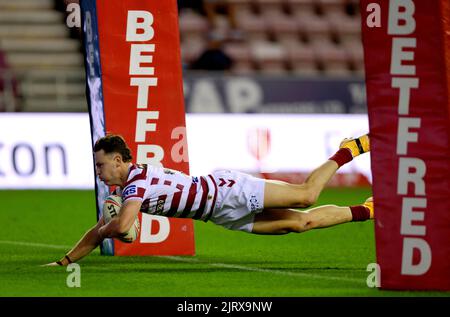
301,224
296,227
308,196
300,197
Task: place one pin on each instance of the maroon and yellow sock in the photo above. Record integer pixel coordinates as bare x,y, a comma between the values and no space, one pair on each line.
342,156
360,213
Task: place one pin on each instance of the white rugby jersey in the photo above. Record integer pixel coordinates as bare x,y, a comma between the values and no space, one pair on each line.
170,193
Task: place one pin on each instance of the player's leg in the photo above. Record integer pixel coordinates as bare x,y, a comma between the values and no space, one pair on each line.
279,194
282,221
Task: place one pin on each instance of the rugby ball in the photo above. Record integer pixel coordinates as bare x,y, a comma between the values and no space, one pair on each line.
111,209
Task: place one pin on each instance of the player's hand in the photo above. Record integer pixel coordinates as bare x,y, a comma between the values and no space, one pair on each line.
57,263
51,264
63,262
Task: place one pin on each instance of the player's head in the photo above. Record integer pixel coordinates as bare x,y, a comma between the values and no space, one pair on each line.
111,152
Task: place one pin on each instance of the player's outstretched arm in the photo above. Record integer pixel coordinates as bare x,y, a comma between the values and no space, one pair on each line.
90,240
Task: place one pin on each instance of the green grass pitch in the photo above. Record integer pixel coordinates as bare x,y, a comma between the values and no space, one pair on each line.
39,226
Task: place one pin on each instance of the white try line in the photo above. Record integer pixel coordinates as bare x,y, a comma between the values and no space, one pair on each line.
255,269
194,260
32,244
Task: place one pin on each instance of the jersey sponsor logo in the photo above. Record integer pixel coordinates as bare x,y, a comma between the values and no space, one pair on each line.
129,191
254,203
169,171
154,206
145,207
159,209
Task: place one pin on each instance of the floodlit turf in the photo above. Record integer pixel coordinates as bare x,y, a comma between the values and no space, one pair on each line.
37,227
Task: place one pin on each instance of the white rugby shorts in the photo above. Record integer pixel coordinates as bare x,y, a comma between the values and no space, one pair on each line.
237,203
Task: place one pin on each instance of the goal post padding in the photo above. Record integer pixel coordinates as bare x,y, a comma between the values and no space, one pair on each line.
406,51
134,88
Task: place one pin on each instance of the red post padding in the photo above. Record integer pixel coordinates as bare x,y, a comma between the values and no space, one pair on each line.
406,63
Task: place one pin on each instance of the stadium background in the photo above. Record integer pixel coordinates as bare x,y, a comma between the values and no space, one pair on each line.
273,57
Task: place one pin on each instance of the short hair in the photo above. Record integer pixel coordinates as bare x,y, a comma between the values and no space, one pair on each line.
113,143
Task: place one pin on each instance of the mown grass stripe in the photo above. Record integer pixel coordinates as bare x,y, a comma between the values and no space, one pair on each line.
194,260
